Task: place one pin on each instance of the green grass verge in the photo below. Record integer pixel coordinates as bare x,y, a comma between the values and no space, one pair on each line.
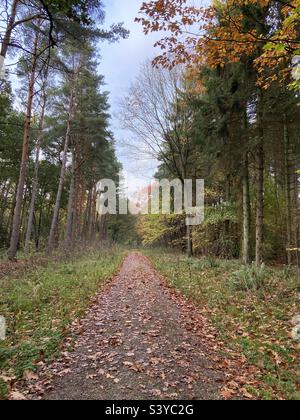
39,307
256,323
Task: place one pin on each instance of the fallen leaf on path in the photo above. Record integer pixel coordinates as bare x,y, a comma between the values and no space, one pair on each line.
92,376
17,396
30,376
228,393
130,364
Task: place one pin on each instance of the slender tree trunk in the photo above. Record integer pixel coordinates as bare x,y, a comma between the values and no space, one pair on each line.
62,172
12,208
38,231
228,200
79,196
296,229
23,216
88,217
103,228
7,35
35,182
260,157
260,203
2,194
70,216
25,157
246,212
288,192
91,214
190,250
4,198
39,227
189,229
92,222
81,211
34,225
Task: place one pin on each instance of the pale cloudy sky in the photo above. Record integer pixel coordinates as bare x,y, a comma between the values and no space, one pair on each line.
120,65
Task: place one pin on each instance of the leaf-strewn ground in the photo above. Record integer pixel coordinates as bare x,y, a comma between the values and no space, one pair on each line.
40,303
141,340
256,324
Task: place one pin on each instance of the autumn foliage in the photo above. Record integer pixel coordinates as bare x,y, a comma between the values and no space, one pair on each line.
227,31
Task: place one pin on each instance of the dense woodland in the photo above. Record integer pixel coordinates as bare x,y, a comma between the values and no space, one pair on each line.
98,306
66,146
233,122
220,105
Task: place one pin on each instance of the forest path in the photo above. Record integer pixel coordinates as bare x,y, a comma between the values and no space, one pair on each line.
138,340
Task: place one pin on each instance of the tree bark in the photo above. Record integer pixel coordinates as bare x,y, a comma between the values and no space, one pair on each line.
246,212
4,196
25,156
288,192
35,182
71,203
62,172
88,216
189,241
260,203
228,200
92,222
23,216
39,223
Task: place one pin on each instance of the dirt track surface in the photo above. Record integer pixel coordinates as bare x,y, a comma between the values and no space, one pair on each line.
139,340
